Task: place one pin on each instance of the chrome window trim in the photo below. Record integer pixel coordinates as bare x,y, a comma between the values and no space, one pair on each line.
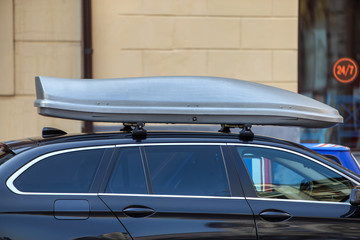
167,196
299,154
12,178
295,200
170,144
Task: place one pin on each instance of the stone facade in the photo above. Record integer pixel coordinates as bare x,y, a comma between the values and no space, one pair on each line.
251,40
39,37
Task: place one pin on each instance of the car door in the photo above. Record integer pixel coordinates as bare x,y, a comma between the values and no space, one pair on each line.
296,197
178,191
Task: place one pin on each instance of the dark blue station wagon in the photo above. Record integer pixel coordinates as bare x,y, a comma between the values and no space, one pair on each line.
172,185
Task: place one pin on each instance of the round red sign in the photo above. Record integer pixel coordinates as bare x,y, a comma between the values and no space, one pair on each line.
345,70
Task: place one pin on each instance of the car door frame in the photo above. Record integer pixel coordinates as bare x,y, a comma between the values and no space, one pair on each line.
237,193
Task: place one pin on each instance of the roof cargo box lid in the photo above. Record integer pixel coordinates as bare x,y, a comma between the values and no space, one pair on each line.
203,100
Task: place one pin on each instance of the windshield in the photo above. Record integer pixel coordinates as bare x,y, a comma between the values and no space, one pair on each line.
5,154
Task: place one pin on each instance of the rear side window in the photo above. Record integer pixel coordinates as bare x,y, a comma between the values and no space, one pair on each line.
187,170
69,172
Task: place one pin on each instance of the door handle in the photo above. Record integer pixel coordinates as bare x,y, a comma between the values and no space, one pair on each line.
138,211
275,215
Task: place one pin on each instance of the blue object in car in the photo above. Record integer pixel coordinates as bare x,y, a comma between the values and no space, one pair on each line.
337,153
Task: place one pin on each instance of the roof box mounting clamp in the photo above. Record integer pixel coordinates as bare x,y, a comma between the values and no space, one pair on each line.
139,131
225,128
127,127
246,134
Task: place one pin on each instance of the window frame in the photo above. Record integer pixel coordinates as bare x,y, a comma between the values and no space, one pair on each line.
250,191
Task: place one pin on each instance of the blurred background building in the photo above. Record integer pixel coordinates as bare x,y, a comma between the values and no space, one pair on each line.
329,30
255,40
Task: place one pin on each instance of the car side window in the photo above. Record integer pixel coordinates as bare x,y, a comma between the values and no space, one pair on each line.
69,172
187,170
283,175
128,175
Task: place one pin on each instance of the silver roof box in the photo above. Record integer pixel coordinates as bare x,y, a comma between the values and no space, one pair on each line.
202,100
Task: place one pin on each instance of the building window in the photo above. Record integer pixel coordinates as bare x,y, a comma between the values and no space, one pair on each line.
329,31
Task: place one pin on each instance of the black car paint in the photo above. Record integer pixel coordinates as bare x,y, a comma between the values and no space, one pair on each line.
34,216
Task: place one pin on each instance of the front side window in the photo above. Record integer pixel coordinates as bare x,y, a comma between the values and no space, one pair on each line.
283,175
69,172
187,170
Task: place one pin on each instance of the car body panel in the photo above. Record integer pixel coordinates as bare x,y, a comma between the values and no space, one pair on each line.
36,220
185,217
307,220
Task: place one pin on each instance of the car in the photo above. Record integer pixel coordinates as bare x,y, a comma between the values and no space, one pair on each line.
140,184
340,154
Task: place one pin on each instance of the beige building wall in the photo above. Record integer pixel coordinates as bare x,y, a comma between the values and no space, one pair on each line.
38,37
251,40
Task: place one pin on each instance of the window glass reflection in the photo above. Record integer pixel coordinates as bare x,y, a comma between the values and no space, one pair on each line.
329,31
282,175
